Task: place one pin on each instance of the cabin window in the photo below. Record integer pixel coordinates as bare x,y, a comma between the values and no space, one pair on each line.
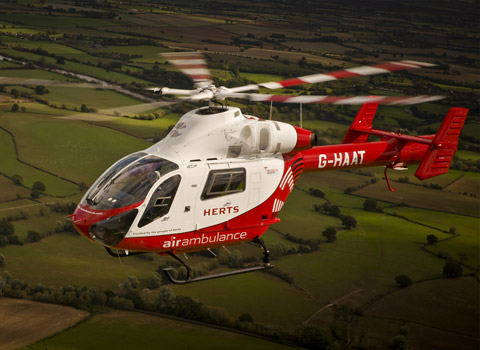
160,201
223,182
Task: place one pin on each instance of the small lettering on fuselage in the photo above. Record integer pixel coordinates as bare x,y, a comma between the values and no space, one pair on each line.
341,159
220,211
204,240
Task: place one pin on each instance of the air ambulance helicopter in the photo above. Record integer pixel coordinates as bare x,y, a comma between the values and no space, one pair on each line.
221,177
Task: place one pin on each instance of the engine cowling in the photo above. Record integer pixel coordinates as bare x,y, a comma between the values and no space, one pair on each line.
277,137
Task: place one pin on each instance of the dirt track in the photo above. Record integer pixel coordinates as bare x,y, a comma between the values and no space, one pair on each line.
24,322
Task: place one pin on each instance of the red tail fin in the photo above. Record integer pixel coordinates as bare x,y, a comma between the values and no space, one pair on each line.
444,145
363,121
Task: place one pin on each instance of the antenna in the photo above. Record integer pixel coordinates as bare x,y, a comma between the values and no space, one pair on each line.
301,115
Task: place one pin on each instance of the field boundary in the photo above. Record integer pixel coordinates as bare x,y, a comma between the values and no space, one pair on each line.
34,166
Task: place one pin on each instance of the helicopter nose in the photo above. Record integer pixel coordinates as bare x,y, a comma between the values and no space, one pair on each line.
107,227
82,219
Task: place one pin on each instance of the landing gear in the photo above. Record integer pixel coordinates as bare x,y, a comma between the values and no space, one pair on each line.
266,265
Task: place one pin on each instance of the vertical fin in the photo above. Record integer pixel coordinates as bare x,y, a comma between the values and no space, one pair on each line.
363,120
444,145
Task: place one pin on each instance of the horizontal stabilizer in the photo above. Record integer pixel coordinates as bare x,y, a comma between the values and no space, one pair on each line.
444,145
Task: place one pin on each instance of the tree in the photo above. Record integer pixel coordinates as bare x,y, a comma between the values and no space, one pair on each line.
246,317
15,107
330,234
334,210
452,230
317,193
432,239
166,299
398,343
84,108
34,194
155,281
17,179
6,228
370,204
41,90
403,281
349,221
3,260
314,337
34,236
452,269
39,186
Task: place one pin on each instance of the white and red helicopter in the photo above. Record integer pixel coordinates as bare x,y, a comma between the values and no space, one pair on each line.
221,177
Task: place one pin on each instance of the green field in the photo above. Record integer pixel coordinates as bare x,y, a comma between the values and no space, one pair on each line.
10,190
367,258
140,128
39,21
422,197
442,301
99,99
42,224
268,291
468,241
11,166
135,331
38,138
150,54
68,259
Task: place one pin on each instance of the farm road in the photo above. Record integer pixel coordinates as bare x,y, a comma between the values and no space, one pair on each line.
26,206
331,304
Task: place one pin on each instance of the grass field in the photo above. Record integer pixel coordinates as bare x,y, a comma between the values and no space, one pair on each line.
468,241
33,74
10,166
269,291
367,258
10,190
46,22
25,322
99,99
422,197
141,128
442,302
38,138
68,259
41,224
136,331
150,54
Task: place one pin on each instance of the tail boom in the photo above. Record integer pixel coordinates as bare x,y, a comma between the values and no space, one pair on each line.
357,155
433,152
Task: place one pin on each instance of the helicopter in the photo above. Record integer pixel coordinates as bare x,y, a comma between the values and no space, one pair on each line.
221,177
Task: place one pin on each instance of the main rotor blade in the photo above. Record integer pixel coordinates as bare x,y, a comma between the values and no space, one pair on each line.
193,65
168,91
250,87
201,96
348,73
339,100
23,81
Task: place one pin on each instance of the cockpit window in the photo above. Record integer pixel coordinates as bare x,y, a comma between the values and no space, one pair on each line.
129,184
161,200
122,163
